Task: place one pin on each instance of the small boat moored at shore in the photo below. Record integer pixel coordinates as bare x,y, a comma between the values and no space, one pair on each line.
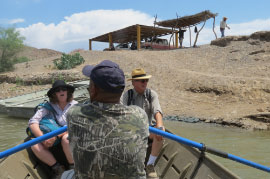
23,106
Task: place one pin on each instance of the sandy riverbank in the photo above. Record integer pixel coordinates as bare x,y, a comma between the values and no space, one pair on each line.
226,83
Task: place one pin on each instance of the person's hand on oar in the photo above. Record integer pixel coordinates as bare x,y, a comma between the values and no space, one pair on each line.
32,142
159,137
49,142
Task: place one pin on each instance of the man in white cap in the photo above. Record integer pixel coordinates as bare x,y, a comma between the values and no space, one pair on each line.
223,24
147,99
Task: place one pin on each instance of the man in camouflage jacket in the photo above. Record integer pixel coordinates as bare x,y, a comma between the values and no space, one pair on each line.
107,139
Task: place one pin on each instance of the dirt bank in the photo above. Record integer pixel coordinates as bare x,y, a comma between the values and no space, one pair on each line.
226,82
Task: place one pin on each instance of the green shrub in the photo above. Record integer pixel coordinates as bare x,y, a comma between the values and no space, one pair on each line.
21,60
68,61
11,42
19,81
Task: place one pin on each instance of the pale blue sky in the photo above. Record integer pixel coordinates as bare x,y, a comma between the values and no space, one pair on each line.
65,25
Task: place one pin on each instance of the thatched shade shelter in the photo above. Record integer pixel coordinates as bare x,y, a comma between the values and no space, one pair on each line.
130,34
137,32
189,21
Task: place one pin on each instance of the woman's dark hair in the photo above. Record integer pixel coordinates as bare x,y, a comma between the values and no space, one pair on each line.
53,99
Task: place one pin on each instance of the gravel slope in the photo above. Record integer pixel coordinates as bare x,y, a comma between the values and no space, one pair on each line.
226,84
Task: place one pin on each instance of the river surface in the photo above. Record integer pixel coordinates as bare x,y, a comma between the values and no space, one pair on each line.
250,145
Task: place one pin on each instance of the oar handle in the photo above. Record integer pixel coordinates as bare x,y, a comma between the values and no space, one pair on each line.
32,142
208,149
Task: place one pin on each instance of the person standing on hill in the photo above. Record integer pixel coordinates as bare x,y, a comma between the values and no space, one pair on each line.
223,25
147,99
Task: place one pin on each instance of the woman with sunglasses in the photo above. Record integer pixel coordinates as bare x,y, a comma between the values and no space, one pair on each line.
60,99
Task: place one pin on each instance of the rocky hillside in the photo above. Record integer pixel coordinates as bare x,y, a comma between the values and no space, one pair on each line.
226,82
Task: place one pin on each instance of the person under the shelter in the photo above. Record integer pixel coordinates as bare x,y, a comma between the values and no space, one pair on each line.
181,36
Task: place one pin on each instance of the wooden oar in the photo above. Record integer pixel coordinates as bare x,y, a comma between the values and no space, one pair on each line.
32,142
202,147
176,138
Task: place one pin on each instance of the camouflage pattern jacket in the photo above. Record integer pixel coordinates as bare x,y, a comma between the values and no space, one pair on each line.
108,140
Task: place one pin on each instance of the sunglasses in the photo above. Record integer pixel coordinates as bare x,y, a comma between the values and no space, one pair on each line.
143,80
60,89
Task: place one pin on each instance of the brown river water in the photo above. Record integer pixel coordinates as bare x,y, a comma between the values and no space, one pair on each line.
250,145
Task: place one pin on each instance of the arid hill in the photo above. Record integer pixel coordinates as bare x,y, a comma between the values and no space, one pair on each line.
34,53
226,82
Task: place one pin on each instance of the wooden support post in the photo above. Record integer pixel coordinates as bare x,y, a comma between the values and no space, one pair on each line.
171,38
138,37
110,41
194,45
90,44
176,39
214,27
189,36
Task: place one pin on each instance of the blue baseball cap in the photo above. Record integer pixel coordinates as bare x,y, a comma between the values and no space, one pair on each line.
107,75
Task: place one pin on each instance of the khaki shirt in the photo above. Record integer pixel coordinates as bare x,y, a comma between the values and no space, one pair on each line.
142,101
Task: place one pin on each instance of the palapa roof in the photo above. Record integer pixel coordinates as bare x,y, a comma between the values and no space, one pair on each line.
187,20
129,34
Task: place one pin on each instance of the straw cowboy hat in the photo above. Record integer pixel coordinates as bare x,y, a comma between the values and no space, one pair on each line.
139,74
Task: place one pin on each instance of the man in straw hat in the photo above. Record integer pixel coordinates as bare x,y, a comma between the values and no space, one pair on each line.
147,99
223,24
108,139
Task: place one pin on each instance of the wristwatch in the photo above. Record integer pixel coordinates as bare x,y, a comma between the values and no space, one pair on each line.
161,127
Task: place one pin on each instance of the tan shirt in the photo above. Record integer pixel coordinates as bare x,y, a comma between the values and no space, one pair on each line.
142,101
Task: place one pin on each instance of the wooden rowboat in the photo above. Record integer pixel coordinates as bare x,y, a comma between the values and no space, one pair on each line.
175,161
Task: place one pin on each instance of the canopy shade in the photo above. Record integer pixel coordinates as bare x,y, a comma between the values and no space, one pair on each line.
129,34
187,21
